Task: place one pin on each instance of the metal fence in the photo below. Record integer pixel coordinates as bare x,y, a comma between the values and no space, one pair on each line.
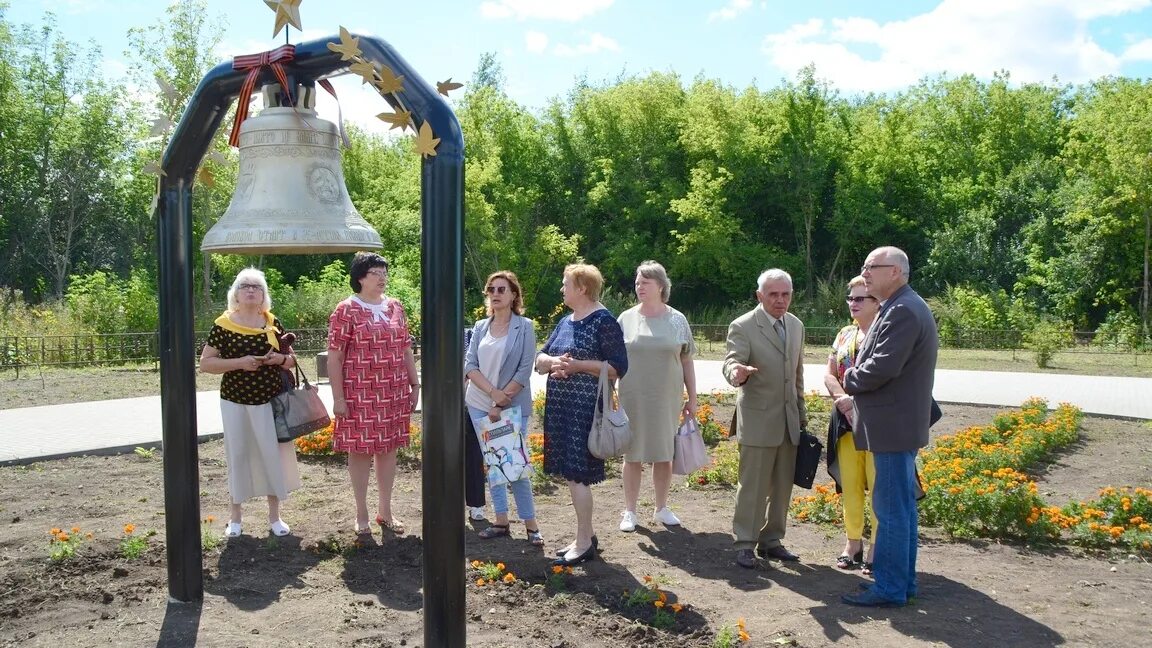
33,351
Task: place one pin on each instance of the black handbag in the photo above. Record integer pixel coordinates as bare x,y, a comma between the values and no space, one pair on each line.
807,459
299,411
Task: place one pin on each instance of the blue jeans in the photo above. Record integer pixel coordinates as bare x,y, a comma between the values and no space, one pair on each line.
894,502
521,488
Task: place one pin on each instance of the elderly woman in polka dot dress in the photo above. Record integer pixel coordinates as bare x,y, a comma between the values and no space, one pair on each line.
244,345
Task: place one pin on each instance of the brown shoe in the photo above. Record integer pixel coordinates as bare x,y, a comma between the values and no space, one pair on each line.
746,559
778,552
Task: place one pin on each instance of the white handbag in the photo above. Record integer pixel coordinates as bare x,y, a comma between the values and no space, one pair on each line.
610,435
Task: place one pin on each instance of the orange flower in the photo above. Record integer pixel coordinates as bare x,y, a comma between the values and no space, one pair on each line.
658,604
557,569
744,636
75,529
54,531
480,582
129,528
210,519
663,598
509,577
62,537
676,607
647,579
476,564
500,566
568,570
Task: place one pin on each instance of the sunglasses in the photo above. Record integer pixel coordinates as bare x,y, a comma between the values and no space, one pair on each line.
857,300
496,290
247,286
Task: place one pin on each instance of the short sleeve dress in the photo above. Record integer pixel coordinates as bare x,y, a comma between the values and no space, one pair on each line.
570,403
652,392
374,375
257,463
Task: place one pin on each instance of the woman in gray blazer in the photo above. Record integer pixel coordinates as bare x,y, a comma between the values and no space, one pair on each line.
498,367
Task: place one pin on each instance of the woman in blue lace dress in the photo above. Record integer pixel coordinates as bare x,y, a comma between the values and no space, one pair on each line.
572,358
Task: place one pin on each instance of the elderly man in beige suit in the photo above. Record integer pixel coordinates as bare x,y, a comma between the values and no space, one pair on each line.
764,361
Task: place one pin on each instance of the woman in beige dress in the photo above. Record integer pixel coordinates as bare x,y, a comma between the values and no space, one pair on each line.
660,350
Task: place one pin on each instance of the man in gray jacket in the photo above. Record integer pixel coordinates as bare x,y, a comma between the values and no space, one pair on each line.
891,389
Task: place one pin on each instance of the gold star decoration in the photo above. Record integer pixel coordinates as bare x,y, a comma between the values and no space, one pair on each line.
366,70
425,143
400,119
443,87
390,82
206,177
287,13
166,88
160,126
349,46
153,168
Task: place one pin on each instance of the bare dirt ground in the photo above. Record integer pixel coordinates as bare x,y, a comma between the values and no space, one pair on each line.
313,588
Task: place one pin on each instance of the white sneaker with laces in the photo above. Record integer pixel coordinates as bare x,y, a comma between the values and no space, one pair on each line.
666,517
628,521
476,512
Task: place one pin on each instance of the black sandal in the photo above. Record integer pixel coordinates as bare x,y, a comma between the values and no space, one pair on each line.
850,562
534,538
866,569
493,531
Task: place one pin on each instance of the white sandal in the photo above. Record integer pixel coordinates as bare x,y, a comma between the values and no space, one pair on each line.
232,530
280,529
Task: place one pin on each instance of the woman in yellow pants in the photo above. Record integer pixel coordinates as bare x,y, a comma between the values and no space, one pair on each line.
852,469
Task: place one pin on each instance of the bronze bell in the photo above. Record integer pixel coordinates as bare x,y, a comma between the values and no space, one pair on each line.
290,196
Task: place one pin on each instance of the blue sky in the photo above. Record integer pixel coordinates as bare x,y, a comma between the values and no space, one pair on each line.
545,45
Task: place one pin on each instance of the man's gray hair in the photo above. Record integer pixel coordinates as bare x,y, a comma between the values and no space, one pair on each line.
773,274
898,258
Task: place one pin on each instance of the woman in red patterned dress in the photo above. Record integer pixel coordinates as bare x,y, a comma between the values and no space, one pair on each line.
374,385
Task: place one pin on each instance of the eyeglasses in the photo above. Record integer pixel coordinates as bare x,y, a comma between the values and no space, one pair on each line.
872,266
247,286
496,290
857,300
383,274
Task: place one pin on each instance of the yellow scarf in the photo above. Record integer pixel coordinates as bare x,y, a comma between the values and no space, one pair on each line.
269,330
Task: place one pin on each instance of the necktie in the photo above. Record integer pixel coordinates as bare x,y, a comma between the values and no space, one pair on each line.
779,326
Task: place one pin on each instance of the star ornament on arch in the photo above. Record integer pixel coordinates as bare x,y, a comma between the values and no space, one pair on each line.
390,82
287,13
444,87
425,143
349,46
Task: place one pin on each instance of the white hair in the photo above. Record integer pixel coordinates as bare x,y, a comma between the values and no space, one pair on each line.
896,257
249,275
773,274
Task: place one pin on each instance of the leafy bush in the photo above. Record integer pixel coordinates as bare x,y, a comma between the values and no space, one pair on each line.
1119,330
1046,338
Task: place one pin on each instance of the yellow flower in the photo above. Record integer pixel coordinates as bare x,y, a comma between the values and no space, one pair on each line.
129,528
658,604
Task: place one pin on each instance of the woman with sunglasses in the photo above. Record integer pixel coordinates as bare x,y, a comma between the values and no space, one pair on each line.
374,386
852,469
498,366
245,345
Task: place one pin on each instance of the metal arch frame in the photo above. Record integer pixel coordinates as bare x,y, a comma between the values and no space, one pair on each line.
442,221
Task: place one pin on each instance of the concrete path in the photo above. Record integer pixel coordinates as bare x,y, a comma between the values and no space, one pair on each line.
102,427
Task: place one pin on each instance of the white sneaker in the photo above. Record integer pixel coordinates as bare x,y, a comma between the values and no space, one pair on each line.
666,517
628,521
476,512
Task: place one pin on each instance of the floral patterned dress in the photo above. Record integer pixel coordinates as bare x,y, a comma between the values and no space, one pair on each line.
374,375
570,403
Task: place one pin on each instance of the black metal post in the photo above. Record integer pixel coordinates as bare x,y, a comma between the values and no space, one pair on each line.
442,217
178,393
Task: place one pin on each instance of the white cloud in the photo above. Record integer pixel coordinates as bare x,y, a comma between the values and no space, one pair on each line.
596,42
731,10
1139,51
1033,39
535,42
564,10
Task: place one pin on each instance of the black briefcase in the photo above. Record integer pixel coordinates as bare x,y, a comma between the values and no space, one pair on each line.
807,459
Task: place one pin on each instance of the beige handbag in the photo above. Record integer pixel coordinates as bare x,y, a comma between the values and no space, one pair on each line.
610,434
299,411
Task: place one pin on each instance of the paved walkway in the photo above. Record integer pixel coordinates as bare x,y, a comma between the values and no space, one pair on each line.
105,427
